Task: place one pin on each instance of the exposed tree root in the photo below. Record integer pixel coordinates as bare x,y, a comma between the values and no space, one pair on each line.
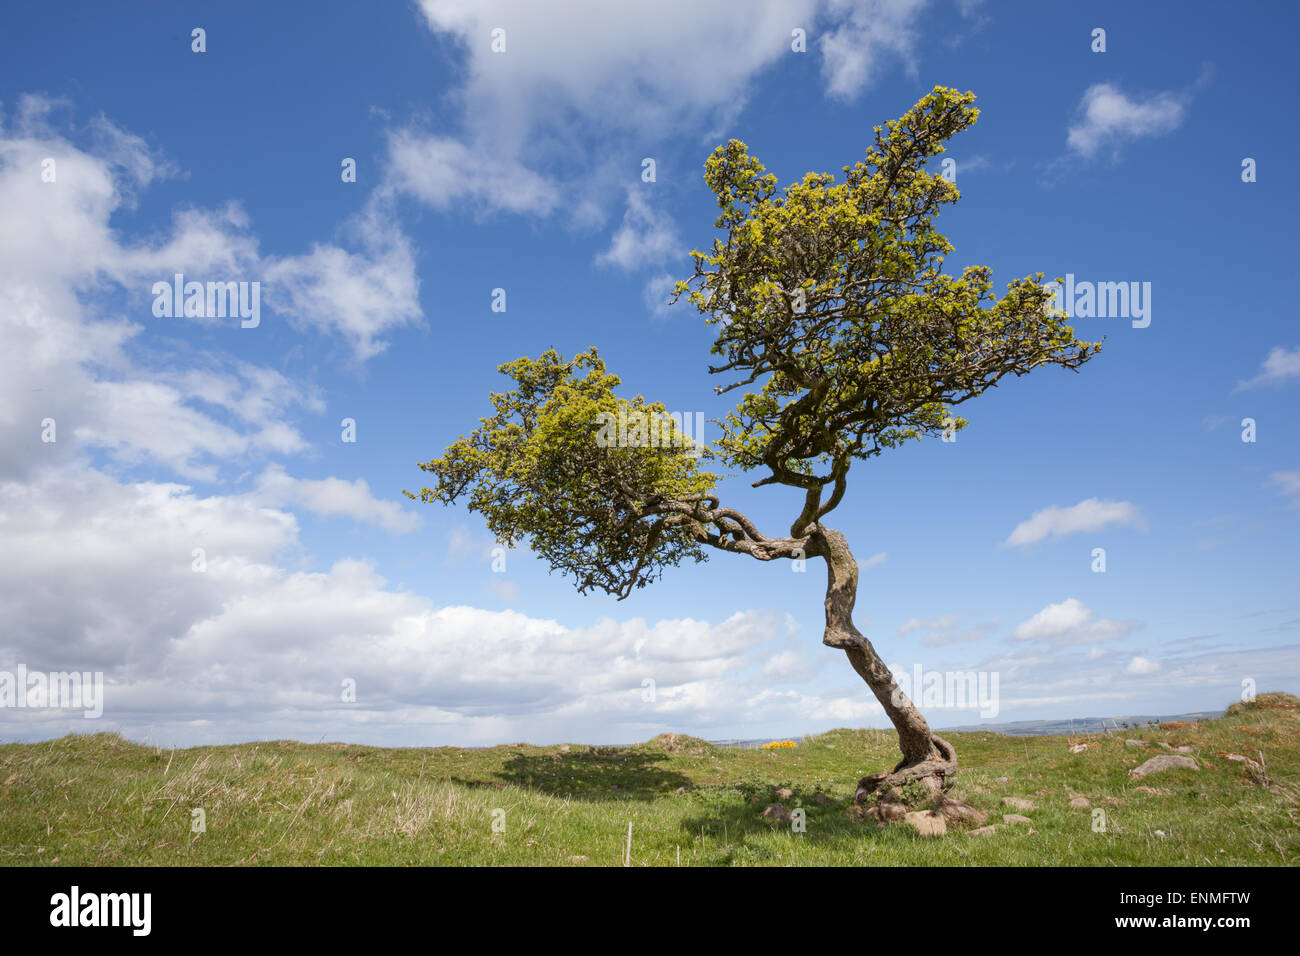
930,775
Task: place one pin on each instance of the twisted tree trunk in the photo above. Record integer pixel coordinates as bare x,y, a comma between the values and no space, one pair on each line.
927,759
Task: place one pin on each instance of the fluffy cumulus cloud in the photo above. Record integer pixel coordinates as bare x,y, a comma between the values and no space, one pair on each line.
1142,666
70,356
1092,514
540,77
359,295
1070,622
867,38
1108,118
447,175
197,624
647,237
58,241
202,608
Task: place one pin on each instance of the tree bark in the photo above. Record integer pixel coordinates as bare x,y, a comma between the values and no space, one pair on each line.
926,758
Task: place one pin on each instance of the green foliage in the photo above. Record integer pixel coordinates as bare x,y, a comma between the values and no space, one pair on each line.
832,295
543,468
829,298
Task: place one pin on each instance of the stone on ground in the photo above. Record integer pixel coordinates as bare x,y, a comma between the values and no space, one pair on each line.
1162,762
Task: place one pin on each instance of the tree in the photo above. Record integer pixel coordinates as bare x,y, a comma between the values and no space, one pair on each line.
835,318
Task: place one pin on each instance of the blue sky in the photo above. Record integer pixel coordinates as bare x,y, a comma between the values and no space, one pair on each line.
521,170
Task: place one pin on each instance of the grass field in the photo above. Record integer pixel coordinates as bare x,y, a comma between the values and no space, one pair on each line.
101,800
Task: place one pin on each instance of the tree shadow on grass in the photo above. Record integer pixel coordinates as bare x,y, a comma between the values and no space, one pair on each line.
734,820
596,774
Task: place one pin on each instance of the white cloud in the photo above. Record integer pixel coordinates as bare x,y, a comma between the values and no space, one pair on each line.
61,232
871,34
100,575
1092,514
785,665
334,498
639,73
83,348
362,295
1070,622
448,175
625,67
647,236
657,293
1109,118
1141,666
1281,365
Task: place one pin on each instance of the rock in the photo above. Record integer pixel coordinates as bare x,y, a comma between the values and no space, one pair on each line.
1015,818
1240,758
1135,743
564,749
577,859
774,811
985,831
820,799
927,822
888,812
1078,748
784,793
1080,803
1002,780
1186,749
1160,833
1016,803
1164,762
960,814
679,791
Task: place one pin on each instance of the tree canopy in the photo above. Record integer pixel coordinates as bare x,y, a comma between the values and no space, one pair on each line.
834,317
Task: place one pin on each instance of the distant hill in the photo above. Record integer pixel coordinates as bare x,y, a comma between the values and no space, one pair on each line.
1028,728
1081,725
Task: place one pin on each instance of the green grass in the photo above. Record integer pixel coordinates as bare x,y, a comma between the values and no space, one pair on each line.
101,800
